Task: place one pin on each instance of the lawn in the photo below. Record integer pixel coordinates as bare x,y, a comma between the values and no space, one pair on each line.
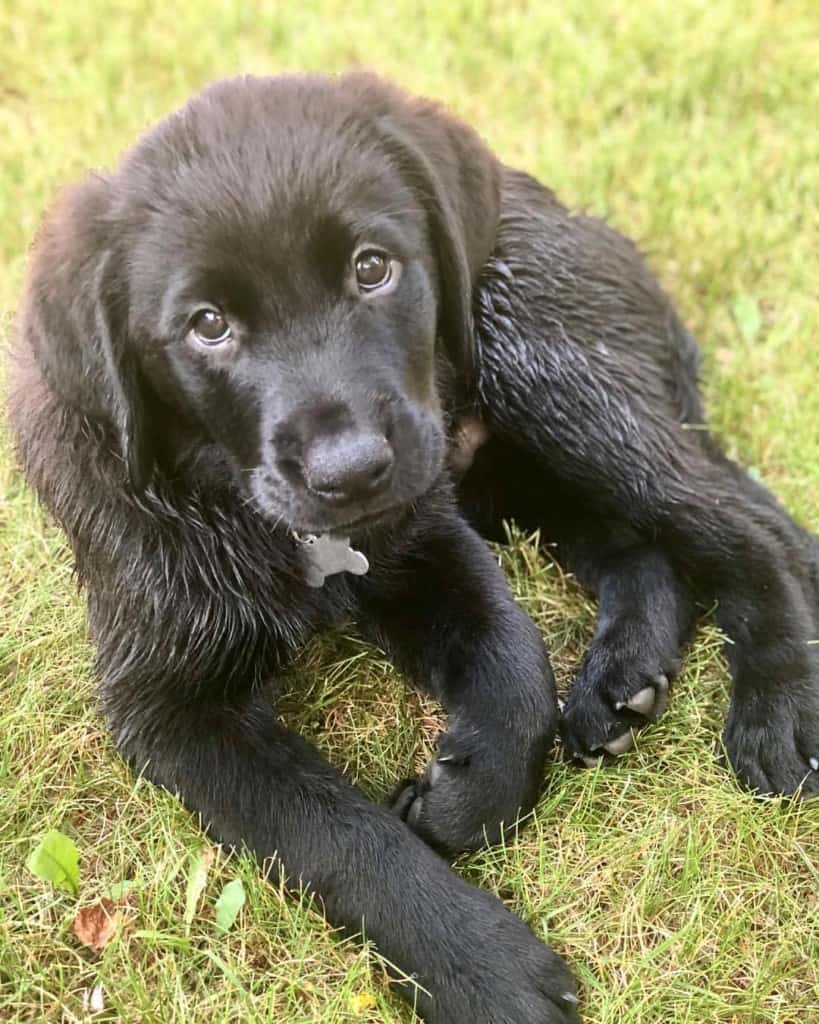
677,898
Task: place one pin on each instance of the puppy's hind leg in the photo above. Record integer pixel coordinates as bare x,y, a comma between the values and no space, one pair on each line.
645,611
645,616
593,416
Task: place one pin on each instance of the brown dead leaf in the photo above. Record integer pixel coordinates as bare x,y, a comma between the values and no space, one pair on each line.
96,925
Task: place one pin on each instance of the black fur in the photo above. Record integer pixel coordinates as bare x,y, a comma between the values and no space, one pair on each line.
520,363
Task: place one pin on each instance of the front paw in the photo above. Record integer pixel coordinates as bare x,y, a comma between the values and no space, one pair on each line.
505,975
477,784
773,743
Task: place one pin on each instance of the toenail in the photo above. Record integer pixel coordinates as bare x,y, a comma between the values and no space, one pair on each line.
643,701
620,744
661,702
814,763
414,814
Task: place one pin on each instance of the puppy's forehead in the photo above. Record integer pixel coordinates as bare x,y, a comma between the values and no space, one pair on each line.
264,159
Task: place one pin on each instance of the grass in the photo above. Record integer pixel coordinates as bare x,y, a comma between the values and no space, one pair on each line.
676,897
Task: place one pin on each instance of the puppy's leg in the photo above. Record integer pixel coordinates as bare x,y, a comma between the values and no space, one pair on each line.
256,785
645,616
593,416
645,611
442,610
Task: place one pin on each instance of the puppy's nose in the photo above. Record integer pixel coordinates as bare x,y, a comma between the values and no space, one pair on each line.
348,466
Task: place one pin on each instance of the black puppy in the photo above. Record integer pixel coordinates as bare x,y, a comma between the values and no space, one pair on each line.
267,375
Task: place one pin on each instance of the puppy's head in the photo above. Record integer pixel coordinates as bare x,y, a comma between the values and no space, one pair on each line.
278,271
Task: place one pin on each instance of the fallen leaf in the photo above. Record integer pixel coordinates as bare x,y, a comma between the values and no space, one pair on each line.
57,860
197,879
119,891
229,904
96,925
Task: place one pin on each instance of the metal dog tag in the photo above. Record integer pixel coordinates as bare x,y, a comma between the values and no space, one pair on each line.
325,555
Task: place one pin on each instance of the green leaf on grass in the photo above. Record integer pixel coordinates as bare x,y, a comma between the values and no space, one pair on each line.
748,317
120,890
197,878
57,860
229,904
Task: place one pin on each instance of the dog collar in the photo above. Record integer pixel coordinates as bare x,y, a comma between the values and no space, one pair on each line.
324,555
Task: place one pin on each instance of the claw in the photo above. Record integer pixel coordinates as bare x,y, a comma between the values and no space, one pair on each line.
643,701
446,759
661,702
458,760
620,744
436,767
651,701
414,814
814,763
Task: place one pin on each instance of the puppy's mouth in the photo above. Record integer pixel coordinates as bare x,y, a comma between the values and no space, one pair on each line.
362,524
375,520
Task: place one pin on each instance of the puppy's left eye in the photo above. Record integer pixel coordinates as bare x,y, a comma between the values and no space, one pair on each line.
209,327
373,270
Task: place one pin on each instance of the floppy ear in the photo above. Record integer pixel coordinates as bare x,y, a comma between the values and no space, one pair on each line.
458,181
74,316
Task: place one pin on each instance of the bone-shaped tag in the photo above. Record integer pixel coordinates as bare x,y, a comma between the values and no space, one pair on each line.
324,556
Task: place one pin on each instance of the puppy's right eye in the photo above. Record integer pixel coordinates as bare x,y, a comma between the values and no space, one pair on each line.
209,327
373,270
